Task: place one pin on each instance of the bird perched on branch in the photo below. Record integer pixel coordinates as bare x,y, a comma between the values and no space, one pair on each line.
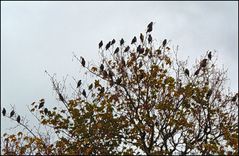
126,49
61,97
197,71
150,39
84,93
113,42
78,84
141,37
164,42
45,110
203,63
82,61
41,104
121,42
100,44
116,50
101,67
186,72
134,40
3,111
18,118
209,55
150,27
12,113
108,45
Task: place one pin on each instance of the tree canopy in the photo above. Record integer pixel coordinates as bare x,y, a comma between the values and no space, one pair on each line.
141,100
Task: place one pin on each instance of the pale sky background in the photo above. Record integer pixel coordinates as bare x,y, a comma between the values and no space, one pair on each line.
39,36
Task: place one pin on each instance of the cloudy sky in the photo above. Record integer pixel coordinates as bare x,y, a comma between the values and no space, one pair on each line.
39,36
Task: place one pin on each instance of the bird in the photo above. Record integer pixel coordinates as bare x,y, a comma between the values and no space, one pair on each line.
150,27
84,93
203,63
18,118
197,71
164,42
186,72
140,50
150,39
126,49
3,111
210,55
82,61
108,45
140,64
209,93
90,86
102,90
116,50
61,97
113,42
134,40
78,84
12,113
45,110
101,67
41,104
105,74
100,44
234,98
121,42
118,81
141,37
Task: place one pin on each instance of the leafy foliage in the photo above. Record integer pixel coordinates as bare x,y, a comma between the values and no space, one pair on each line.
143,99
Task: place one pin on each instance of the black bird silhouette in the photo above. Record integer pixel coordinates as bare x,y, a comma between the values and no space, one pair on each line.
41,104
141,37
150,39
234,97
45,110
61,97
116,50
100,44
197,71
84,93
209,93
12,113
113,42
18,118
101,67
140,50
140,64
82,61
105,74
186,72
108,45
134,40
118,81
150,27
90,86
210,55
78,84
126,49
3,111
164,42
203,63
121,42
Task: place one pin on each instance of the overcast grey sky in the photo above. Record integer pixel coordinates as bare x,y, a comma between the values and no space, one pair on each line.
38,36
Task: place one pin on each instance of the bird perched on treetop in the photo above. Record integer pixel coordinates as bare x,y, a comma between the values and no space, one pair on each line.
18,119
12,113
197,71
61,97
164,42
45,110
78,84
101,67
186,72
84,93
100,44
121,42
141,37
210,55
41,104
116,50
150,27
108,45
3,111
134,40
203,63
150,39
82,61
113,42
126,49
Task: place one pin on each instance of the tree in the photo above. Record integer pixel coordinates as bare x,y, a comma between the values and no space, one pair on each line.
140,100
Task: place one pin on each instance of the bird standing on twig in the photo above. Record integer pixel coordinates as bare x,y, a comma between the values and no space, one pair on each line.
100,44
121,42
12,113
101,67
134,40
164,42
84,93
116,50
113,42
126,49
150,39
3,111
141,37
78,84
210,55
108,45
18,119
203,63
150,27
186,72
82,61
